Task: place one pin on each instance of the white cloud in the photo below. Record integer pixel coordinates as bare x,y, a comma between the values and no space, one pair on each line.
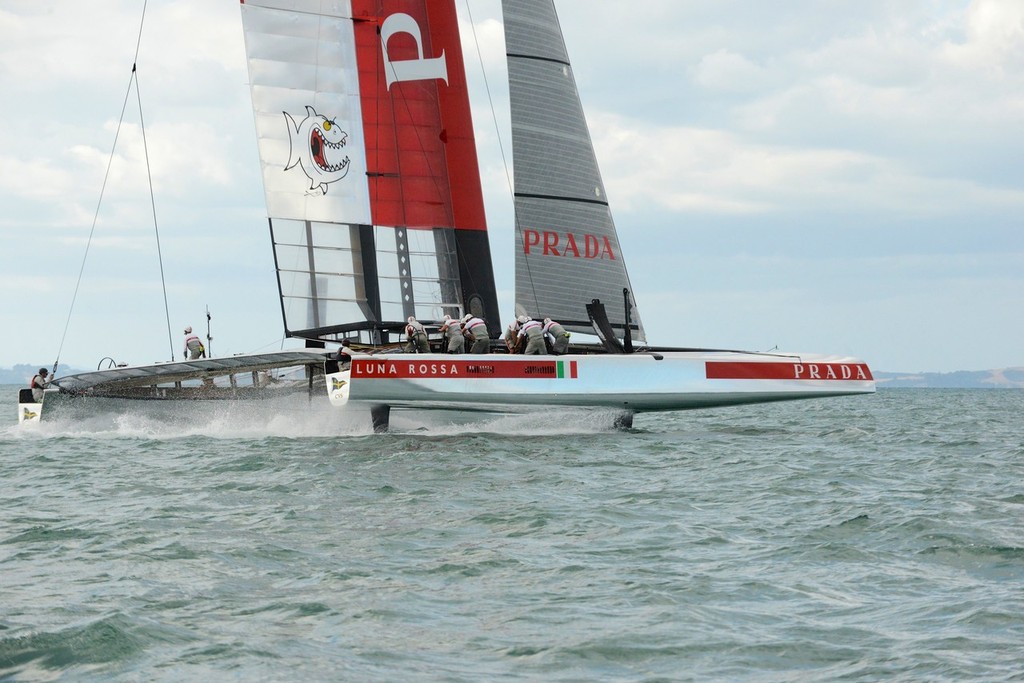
725,70
684,169
994,41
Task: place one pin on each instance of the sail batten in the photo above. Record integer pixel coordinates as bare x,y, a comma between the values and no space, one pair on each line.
561,198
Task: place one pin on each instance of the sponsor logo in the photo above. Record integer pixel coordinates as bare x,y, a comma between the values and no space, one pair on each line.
568,245
419,69
364,368
800,371
829,371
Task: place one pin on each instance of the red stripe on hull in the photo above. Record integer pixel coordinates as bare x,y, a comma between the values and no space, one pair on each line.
839,372
364,368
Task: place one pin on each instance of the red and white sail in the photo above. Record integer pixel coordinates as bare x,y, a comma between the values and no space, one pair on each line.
369,163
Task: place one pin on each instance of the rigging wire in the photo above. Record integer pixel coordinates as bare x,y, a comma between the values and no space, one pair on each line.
102,189
501,148
152,203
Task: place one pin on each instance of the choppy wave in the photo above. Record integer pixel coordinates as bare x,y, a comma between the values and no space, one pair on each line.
851,539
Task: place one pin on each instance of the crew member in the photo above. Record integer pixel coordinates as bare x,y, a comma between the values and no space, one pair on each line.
556,336
193,347
475,330
532,331
417,337
452,331
511,336
39,382
345,354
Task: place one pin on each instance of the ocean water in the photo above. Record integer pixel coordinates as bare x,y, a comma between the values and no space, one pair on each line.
860,539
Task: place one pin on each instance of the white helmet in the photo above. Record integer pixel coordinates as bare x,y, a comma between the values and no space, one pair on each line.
523,319
188,330
466,318
547,321
411,319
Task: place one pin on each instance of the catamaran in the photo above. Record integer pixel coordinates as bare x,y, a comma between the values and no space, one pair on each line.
376,215
375,205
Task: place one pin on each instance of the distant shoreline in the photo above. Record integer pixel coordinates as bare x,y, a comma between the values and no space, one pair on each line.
1004,378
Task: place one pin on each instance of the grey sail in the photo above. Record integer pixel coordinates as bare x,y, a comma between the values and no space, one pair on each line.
567,250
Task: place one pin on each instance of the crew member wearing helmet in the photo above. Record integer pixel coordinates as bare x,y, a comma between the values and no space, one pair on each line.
417,336
193,347
475,331
39,382
556,336
452,331
533,332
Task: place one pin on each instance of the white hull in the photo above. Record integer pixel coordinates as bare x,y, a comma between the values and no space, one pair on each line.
640,382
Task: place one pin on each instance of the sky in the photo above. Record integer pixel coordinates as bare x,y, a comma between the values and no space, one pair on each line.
829,176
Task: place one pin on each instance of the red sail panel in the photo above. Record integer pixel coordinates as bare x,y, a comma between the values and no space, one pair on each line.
420,151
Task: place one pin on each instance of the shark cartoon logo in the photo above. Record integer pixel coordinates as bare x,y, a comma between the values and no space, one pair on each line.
318,147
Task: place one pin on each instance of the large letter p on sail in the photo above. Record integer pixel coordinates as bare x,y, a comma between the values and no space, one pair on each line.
409,69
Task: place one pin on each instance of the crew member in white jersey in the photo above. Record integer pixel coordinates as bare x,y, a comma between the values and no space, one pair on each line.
193,346
533,332
556,336
452,331
475,330
417,336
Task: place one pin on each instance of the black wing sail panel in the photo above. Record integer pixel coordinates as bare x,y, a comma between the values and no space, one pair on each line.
567,250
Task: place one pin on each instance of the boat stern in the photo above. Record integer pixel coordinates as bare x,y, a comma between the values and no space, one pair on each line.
29,410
